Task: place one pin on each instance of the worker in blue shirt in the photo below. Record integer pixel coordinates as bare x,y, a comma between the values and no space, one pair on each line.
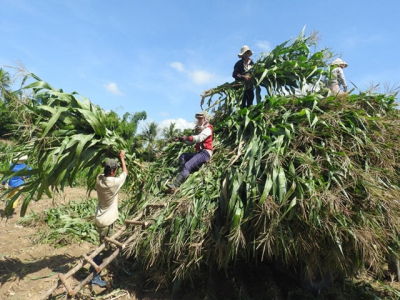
15,183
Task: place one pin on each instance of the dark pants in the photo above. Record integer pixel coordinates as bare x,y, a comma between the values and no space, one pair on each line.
106,231
192,161
248,98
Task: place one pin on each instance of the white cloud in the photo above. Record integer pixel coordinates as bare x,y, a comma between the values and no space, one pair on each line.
201,77
265,46
177,66
197,76
179,124
113,89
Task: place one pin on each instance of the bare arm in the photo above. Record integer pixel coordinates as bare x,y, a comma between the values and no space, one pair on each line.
123,165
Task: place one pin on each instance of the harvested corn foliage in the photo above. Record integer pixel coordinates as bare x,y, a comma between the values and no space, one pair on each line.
66,224
303,179
306,179
64,134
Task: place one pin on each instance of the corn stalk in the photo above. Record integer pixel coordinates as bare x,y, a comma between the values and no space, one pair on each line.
64,134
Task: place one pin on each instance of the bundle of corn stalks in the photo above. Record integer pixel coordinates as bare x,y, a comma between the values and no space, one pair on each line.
309,180
63,134
288,69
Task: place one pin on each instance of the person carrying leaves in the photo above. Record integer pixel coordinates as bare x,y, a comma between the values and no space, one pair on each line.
108,185
203,141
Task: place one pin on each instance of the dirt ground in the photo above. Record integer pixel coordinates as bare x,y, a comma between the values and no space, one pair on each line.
29,270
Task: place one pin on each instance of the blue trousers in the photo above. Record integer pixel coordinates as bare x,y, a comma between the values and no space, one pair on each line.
192,161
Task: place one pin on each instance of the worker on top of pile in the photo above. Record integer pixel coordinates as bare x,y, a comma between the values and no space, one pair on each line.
337,76
203,140
241,72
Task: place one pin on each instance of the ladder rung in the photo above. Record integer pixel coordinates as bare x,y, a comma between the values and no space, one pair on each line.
91,262
161,205
132,222
65,283
119,244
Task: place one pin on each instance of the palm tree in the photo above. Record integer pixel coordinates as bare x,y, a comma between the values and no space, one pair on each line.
5,82
171,131
149,135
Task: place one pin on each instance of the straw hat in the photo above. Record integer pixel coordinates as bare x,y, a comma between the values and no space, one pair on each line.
204,114
20,159
243,50
338,62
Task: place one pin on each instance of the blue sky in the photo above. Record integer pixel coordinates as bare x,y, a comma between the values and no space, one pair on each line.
159,55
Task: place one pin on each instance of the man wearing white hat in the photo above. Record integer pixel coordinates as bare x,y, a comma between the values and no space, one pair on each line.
337,76
242,71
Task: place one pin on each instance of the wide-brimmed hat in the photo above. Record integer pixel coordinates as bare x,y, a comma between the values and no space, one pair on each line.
243,50
20,159
204,114
338,62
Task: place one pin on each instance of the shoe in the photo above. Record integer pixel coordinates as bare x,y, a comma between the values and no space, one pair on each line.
171,186
97,281
177,182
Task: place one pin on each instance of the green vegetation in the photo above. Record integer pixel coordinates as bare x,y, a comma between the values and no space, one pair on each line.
63,135
308,180
303,185
66,224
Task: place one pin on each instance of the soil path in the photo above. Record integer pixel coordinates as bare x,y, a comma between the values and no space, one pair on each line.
28,270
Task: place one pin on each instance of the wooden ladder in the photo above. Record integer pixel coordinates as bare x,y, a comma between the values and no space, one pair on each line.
62,278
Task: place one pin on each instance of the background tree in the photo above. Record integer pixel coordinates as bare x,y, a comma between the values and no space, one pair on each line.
149,136
112,120
5,84
171,131
126,127
6,109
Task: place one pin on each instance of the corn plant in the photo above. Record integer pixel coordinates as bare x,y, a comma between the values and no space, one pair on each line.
290,68
63,134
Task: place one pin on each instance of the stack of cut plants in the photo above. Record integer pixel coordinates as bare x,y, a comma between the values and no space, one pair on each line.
303,187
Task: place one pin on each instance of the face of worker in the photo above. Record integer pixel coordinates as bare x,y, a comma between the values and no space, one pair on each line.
200,120
246,55
114,172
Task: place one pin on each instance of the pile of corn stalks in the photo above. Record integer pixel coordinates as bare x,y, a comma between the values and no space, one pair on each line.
307,179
